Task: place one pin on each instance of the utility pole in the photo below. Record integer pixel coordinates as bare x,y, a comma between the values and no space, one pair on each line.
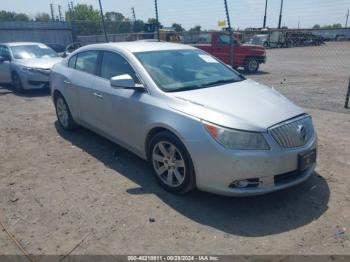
157,20
347,19
60,12
103,22
133,13
264,24
52,12
231,34
280,19
72,20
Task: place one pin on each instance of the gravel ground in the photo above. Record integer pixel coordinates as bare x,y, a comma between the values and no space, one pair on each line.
63,191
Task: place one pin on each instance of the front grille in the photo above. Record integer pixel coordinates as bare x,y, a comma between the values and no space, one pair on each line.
293,133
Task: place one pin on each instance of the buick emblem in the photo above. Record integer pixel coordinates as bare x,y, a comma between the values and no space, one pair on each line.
301,130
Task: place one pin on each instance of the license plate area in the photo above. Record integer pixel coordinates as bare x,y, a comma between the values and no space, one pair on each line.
306,159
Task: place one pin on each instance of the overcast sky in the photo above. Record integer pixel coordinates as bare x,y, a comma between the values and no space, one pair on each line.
244,13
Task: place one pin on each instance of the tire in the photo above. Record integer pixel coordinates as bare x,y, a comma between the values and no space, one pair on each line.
17,83
63,114
171,163
251,65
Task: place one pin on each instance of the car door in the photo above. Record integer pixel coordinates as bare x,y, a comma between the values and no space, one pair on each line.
122,113
222,49
83,80
5,70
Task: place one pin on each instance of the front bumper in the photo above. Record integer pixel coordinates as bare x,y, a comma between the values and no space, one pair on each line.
217,167
35,80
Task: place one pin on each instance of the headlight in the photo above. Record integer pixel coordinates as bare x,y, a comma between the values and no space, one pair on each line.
236,139
27,69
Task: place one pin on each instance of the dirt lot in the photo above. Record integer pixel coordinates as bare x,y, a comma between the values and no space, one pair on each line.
61,191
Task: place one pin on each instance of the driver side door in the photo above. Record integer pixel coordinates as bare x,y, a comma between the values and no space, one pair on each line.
122,111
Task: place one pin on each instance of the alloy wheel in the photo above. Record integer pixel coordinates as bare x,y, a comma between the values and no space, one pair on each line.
252,65
62,112
169,164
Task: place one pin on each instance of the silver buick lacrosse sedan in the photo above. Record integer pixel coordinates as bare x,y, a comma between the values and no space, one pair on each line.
197,121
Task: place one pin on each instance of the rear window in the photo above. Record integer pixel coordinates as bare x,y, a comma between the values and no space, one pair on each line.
87,61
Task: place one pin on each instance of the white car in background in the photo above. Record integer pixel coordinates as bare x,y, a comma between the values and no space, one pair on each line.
26,65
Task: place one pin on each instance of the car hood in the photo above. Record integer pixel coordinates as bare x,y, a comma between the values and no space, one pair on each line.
245,105
42,63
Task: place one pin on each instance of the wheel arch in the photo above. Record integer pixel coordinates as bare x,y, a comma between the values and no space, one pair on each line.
158,129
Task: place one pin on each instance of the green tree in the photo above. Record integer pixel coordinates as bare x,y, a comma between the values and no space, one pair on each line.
83,12
85,19
154,21
42,17
12,16
138,26
21,17
178,27
317,26
332,26
196,28
114,17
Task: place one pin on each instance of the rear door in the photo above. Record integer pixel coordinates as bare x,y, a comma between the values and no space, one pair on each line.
82,80
5,71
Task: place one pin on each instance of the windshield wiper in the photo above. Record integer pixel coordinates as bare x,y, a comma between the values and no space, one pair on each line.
186,88
220,82
214,83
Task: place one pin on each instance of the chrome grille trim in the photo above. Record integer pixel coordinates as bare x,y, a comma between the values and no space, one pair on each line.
293,133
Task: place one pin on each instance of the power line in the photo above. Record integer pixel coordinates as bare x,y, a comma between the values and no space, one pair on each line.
157,20
52,12
103,22
230,32
280,18
60,12
133,13
264,24
347,19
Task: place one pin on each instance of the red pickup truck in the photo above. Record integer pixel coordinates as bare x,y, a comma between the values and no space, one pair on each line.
218,44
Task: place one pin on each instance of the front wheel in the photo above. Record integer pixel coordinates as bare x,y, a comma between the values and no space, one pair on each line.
171,163
251,65
17,83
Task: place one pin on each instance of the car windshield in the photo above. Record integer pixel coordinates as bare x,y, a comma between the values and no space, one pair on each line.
180,70
32,51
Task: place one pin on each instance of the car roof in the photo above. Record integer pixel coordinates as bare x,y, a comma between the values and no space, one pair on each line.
21,43
138,46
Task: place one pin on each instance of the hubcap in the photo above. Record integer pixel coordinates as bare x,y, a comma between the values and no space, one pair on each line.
62,112
168,164
252,65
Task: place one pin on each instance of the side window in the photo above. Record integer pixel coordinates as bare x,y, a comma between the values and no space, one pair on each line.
87,61
71,62
223,39
204,39
113,65
5,53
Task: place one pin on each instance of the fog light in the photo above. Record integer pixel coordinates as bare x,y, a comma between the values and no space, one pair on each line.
240,183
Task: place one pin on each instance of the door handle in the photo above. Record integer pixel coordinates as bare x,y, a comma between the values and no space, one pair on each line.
98,95
67,82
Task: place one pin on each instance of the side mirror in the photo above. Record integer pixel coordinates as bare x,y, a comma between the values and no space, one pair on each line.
125,82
